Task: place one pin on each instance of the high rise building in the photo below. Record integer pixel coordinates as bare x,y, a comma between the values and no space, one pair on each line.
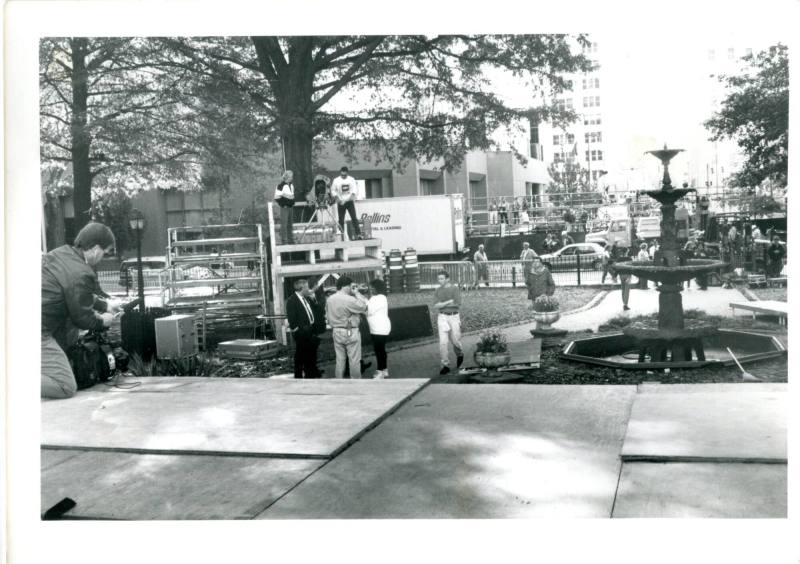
581,143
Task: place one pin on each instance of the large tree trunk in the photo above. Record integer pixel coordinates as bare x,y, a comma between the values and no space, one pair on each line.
297,141
81,140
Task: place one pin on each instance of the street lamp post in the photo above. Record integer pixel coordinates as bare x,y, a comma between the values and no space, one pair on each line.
137,224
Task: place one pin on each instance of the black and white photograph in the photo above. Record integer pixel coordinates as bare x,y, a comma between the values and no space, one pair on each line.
538,277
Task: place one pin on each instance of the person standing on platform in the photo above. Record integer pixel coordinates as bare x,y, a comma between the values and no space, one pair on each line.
379,325
343,310
343,189
493,212
284,197
303,326
526,257
481,266
503,208
448,321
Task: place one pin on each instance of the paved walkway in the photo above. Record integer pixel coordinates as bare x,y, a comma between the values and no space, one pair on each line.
422,361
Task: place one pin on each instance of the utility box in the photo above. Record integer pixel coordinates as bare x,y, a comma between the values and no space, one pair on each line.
175,337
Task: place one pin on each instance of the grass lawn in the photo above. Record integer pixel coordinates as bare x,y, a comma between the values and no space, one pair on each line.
778,294
489,307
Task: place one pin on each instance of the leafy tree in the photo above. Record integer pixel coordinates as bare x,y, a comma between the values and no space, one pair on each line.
756,114
408,96
570,187
113,207
113,116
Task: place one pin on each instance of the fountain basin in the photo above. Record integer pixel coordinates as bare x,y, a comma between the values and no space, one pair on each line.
618,350
669,274
692,329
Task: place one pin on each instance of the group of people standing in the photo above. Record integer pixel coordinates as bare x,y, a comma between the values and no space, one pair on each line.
341,191
308,318
499,209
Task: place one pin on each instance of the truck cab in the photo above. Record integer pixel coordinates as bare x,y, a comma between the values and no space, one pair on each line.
617,230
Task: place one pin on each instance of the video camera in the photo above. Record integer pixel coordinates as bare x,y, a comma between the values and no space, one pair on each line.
320,197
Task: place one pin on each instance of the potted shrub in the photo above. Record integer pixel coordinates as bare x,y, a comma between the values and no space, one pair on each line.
492,350
545,312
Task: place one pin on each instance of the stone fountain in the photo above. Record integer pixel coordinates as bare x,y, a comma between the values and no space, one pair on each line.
671,337
671,341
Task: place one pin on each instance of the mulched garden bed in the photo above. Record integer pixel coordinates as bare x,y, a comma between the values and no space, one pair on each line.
778,294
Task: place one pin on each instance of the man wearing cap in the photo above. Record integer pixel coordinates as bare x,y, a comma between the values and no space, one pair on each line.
343,189
70,303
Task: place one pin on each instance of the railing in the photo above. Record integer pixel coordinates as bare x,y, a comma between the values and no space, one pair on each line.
110,280
566,271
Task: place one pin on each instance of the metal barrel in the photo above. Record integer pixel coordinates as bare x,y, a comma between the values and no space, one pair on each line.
411,270
395,271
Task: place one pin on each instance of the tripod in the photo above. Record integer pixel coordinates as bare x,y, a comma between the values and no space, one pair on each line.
320,211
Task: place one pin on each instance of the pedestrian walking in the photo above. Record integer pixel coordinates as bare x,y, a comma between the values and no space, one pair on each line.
775,254
447,302
343,310
539,281
284,197
624,278
643,255
609,256
700,253
379,325
526,258
481,266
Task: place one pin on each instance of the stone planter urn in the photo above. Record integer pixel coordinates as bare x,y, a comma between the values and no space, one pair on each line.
492,360
545,318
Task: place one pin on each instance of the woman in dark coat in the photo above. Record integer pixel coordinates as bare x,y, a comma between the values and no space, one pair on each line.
539,281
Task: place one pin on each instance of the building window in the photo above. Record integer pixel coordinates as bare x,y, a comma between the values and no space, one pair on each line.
558,157
563,105
569,84
376,188
589,83
596,155
431,187
593,137
591,101
570,137
591,119
556,140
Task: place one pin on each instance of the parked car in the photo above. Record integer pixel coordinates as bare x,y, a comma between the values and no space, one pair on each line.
566,258
127,270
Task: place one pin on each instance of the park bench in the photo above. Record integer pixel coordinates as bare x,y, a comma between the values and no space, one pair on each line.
754,280
764,307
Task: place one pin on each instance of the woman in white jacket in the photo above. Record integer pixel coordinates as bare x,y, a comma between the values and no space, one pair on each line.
379,324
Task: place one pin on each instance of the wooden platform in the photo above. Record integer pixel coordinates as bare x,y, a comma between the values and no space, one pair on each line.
525,355
202,448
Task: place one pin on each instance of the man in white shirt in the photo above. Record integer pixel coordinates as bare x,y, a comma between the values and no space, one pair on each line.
343,189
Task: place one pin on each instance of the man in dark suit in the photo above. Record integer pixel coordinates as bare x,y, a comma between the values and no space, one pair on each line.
305,318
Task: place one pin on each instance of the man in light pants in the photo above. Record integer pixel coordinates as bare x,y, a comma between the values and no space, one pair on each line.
448,322
343,311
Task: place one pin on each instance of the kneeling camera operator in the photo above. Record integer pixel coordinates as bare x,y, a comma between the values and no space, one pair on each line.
70,304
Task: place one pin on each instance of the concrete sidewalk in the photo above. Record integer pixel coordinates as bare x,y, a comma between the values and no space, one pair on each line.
422,361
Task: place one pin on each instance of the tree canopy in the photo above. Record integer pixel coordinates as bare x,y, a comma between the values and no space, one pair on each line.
408,97
755,113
